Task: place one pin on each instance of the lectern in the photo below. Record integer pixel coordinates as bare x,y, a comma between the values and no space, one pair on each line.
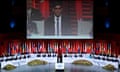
59,65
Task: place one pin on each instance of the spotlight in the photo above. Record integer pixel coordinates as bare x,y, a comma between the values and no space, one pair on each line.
12,24
107,24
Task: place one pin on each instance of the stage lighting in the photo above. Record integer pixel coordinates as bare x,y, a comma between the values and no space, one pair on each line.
107,24
12,24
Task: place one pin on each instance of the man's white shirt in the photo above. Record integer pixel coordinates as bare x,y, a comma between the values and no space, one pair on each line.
55,25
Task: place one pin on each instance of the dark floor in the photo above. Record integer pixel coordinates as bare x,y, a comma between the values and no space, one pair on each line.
51,68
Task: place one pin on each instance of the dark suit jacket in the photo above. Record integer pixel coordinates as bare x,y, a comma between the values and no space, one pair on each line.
66,26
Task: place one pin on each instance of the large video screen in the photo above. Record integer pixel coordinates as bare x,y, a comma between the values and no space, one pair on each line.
59,19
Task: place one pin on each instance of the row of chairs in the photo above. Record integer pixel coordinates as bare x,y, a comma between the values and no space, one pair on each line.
55,53
22,54
25,56
75,55
113,59
15,58
107,55
47,55
99,57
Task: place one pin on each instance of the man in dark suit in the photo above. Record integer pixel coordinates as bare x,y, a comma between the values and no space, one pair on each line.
58,24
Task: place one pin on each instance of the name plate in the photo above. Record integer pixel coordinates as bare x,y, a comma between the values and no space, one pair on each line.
59,66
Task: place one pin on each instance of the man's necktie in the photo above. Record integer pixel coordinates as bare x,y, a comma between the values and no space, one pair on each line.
57,25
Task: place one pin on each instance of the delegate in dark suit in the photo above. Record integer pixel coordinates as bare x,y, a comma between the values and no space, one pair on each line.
66,26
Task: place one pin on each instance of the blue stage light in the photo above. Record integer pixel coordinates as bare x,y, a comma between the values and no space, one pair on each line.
107,24
12,24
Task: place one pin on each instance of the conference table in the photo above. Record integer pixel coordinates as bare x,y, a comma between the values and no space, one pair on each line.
99,60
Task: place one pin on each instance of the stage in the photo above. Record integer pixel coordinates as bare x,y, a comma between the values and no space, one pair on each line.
50,68
96,60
